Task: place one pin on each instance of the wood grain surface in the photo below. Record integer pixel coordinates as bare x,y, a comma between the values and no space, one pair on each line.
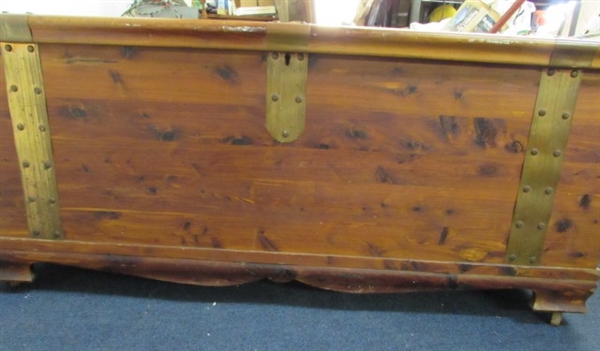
246,35
404,164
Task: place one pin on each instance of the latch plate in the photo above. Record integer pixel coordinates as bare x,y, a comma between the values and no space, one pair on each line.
286,95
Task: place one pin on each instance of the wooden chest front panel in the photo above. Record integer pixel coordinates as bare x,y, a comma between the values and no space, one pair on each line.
409,173
399,159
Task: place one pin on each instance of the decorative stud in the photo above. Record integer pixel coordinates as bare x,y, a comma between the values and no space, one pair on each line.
574,74
26,164
285,134
37,90
542,113
14,88
566,115
42,128
8,47
533,259
300,57
20,126
274,97
47,165
551,71
549,191
526,189
30,48
274,56
534,152
557,153
519,224
298,99
512,257
541,226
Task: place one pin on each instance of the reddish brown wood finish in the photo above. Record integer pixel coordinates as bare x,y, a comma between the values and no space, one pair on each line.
405,177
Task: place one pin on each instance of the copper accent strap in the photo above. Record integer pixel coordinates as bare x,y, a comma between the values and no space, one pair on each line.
551,123
27,105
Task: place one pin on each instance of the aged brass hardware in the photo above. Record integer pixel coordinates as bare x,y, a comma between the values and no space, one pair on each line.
286,95
27,106
557,96
14,28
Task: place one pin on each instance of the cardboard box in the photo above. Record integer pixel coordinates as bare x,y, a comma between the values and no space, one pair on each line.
248,3
266,2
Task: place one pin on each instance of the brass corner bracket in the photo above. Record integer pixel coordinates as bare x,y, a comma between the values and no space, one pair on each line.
15,28
548,136
27,106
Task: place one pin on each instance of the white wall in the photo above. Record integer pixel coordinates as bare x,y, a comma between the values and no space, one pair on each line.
590,9
335,12
110,8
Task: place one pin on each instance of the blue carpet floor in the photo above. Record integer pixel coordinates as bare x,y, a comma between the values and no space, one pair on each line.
73,309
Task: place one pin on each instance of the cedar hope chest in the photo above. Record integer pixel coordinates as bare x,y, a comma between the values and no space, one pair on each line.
352,159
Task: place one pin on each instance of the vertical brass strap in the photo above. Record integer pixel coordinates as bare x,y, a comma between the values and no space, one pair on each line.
27,106
286,95
551,123
287,74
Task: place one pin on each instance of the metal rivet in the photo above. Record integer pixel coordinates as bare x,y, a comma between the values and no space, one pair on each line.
42,128
541,225
574,74
52,200
557,153
30,48
56,233
14,88
534,152
512,257
298,99
8,47
566,115
25,164
300,57
274,56
31,199
35,233
274,97
47,165
542,113
285,134
551,71
37,90
520,224
532,259
526,189
549,190
20,126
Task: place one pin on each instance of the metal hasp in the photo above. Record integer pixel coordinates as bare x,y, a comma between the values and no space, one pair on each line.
286,95
27,105
551,123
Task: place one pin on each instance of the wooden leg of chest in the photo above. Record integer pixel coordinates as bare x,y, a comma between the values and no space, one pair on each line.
556,318
557,302
15,273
